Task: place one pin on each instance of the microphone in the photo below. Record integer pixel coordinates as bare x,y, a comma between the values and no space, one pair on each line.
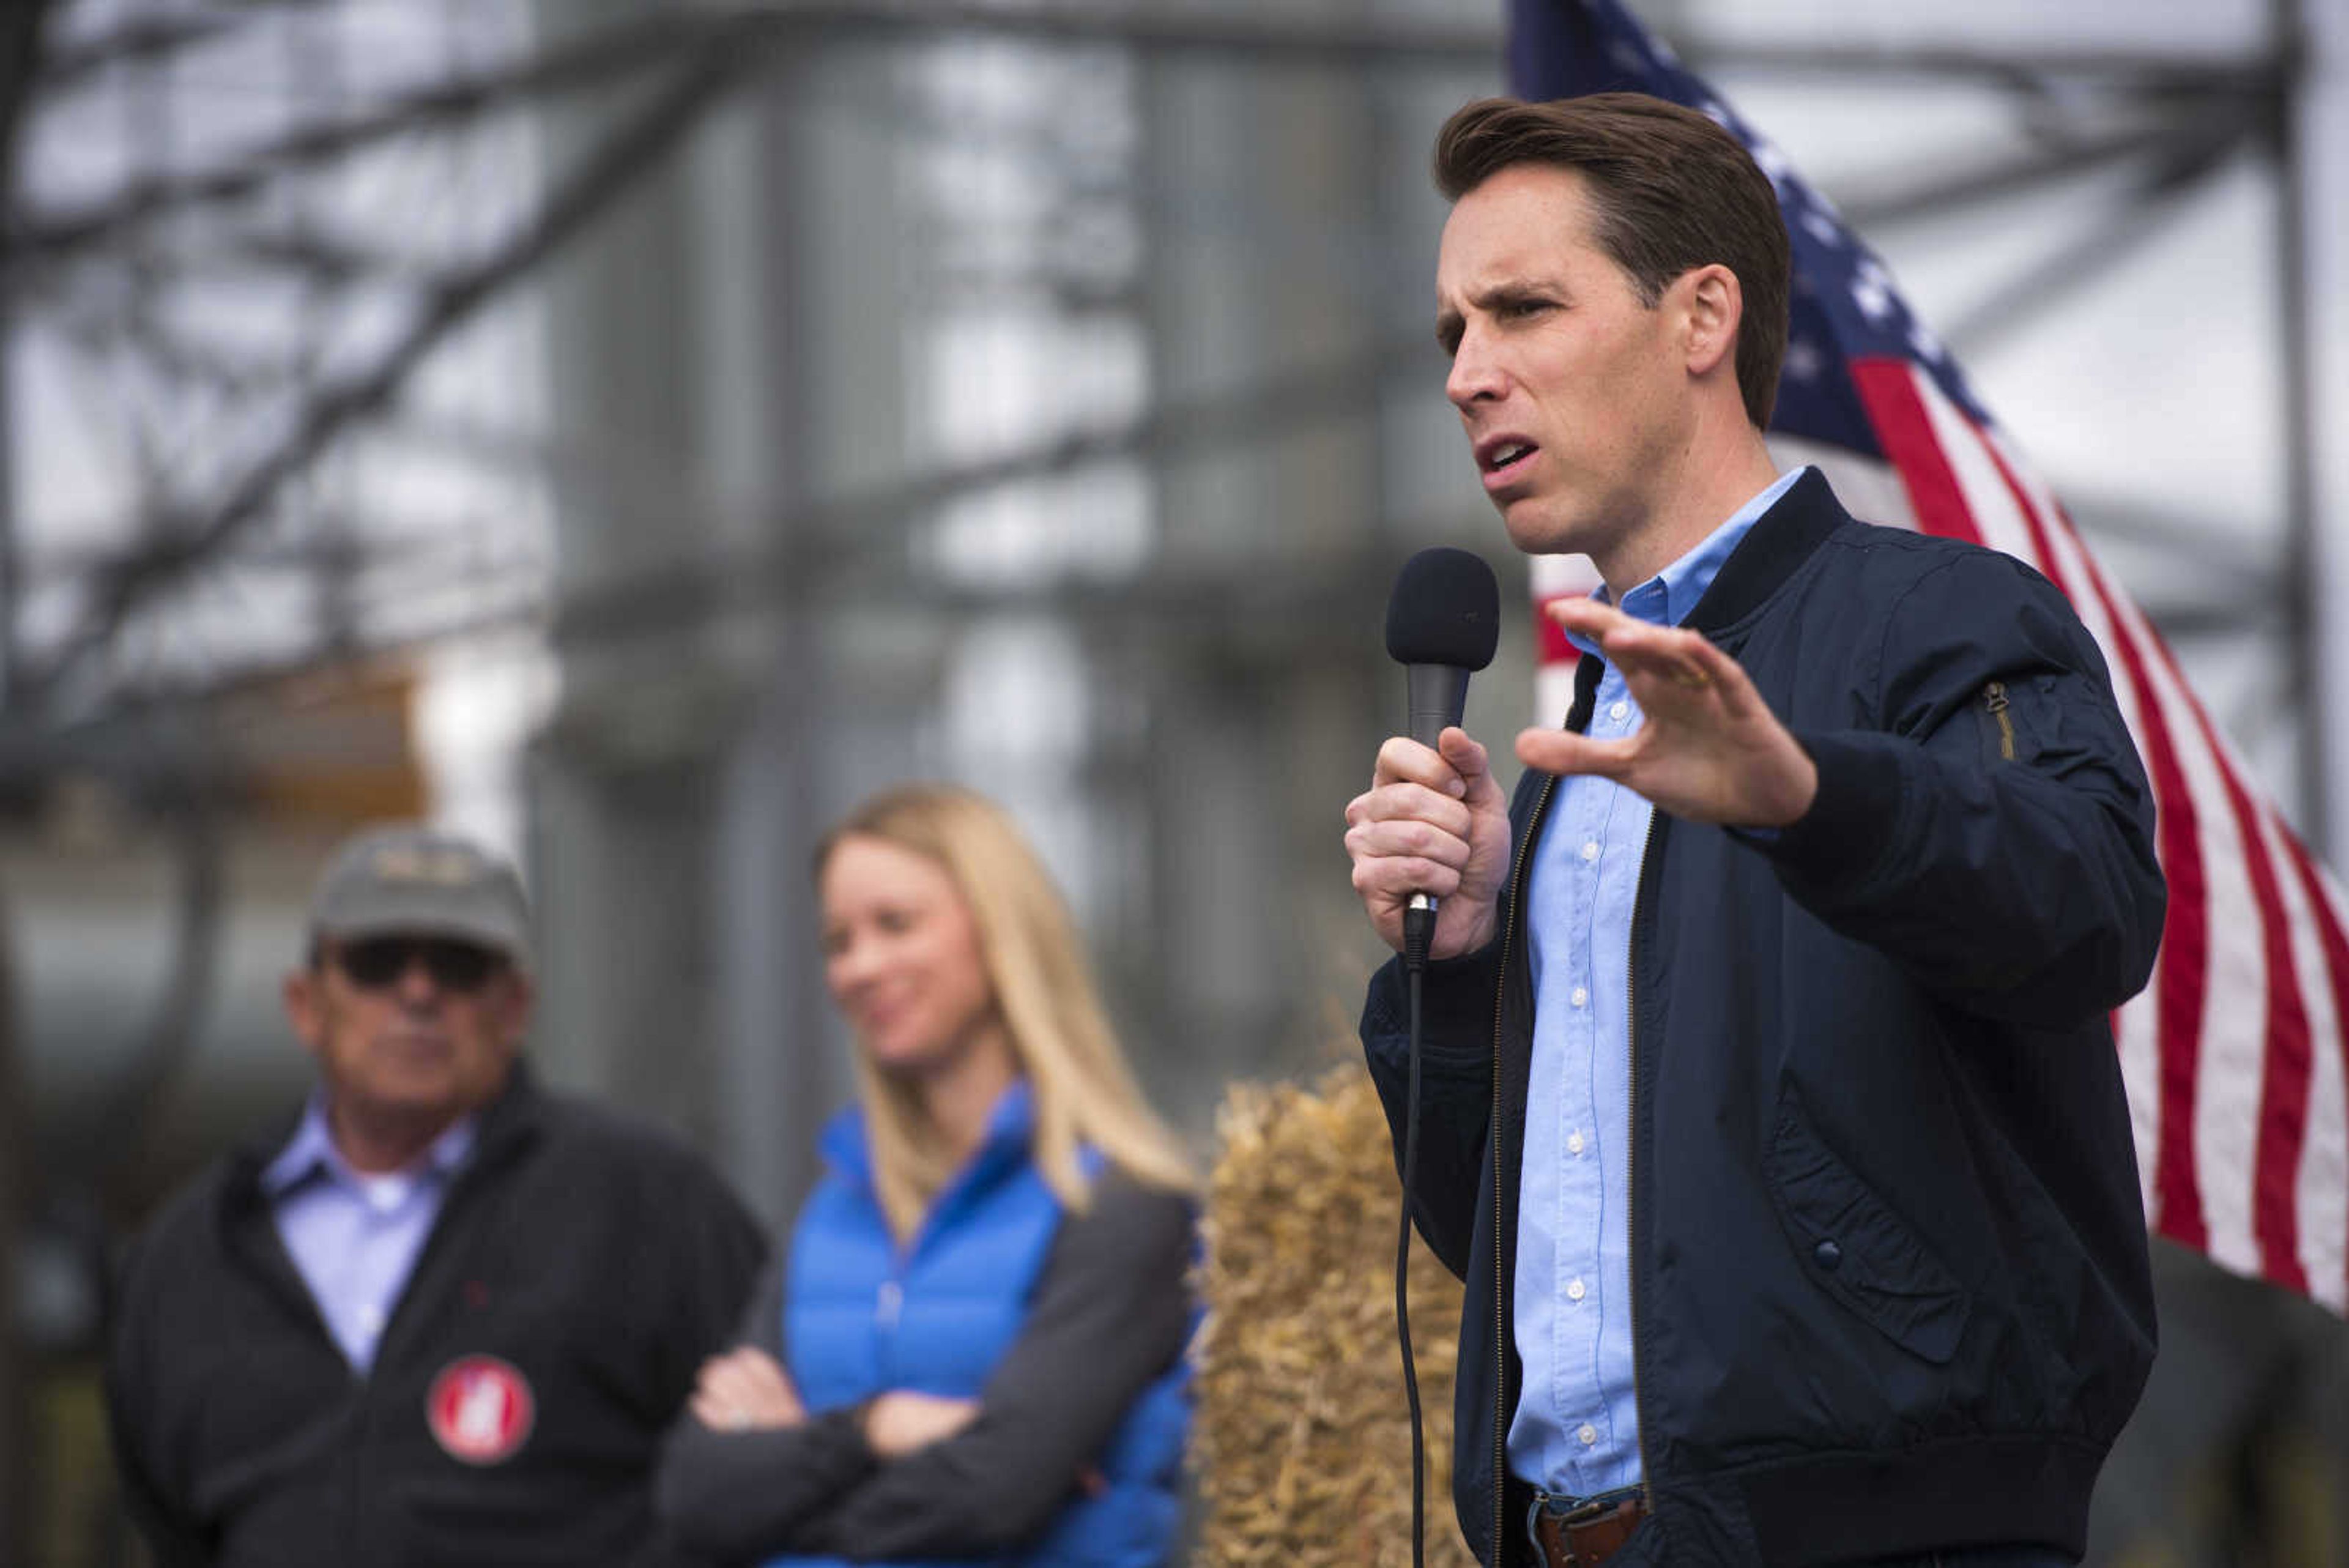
1444,621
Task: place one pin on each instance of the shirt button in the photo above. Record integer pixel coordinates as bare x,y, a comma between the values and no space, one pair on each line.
1616,711
1580,997
1574,1143
1590,850
1574,1290
1586,1434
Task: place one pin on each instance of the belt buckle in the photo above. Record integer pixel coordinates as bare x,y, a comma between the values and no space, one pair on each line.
1560,1526
1562,1520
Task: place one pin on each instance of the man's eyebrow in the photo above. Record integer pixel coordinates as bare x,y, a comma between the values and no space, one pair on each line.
1516,291
1450,323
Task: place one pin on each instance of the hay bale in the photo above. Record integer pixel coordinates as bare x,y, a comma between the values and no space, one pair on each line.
1301,1448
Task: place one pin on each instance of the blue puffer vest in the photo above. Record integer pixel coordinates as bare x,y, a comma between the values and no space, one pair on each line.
860,1319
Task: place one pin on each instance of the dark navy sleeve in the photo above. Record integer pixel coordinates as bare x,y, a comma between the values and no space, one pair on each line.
1456,1086
1459,998
1993,833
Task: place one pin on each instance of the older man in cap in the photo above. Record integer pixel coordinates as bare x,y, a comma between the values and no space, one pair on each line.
444,1317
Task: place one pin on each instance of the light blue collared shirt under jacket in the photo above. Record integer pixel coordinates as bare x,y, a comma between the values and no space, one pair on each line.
1576,1430
355,1237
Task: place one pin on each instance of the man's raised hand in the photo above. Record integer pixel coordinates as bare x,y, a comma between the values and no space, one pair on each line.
1709,751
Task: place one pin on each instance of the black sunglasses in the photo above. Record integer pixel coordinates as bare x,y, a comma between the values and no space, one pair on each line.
373,963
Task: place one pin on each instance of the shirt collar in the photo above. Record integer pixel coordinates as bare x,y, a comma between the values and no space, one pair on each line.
311,1152
1668,598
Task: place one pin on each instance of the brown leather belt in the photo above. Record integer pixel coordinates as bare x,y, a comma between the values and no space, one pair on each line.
1586,1536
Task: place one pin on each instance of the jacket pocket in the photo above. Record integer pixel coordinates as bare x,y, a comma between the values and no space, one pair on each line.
1856,1248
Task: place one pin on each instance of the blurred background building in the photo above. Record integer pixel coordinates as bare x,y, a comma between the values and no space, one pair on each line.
634,430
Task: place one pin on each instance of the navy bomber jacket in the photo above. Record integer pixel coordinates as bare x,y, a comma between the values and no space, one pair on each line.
1889,1274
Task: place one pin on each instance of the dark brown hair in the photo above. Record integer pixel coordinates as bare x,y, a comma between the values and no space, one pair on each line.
1670,190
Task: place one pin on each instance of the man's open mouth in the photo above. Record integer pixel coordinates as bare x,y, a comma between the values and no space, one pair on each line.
1505,459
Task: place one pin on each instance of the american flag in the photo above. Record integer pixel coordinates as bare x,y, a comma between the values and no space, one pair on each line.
2233,1055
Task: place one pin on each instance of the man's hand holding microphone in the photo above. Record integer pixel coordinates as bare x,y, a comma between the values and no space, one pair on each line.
1434,821
1431,836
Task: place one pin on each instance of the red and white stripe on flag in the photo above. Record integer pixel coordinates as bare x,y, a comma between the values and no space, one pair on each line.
2233,1056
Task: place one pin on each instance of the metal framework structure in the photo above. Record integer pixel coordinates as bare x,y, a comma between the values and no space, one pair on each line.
86,635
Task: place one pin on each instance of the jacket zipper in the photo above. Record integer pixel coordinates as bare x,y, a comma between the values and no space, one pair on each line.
1500,1285
438,1241
1630,1200
1994,700
1631,1140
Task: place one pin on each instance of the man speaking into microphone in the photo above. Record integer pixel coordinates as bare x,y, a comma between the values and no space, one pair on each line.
1769,1110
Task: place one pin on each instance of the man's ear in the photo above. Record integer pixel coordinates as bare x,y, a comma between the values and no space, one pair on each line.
518,998
1713,305
305,1008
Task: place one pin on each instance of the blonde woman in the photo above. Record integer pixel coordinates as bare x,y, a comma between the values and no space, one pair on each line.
970,1347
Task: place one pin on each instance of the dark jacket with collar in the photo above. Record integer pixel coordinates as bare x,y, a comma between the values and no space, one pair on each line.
1888,1261
595,1258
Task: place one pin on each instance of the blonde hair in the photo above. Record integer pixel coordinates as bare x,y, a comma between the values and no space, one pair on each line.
1084,1092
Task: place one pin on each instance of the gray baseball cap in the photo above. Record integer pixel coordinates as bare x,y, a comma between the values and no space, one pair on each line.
408,879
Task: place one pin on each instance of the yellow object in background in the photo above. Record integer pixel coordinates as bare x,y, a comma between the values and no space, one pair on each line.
1302,1445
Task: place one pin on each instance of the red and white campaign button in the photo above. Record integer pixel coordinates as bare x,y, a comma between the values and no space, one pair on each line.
480,1409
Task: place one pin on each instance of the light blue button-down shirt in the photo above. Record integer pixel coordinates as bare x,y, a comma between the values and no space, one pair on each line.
1576,1430
355,1237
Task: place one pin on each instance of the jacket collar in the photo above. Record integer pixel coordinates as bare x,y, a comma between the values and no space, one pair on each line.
505,1126
313,1155
1773,550
1778,543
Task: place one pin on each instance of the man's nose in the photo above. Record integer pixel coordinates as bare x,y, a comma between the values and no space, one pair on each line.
1476,376
415,985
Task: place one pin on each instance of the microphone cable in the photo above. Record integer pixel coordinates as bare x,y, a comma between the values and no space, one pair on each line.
1443,623
1418,935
